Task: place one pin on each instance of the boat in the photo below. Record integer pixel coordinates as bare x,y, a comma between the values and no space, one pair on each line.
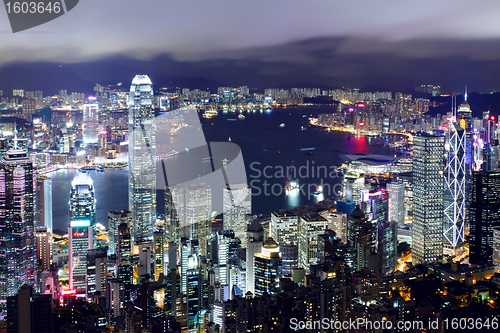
282,125
241,116
319,190
86,168
210,113
291,183
302,128
100,168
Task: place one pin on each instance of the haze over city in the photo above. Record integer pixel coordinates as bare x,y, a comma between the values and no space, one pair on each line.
389,44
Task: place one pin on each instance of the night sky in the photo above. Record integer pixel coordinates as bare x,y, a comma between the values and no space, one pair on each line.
392,44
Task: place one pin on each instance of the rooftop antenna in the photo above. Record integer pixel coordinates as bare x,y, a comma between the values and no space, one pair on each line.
15,140
465,93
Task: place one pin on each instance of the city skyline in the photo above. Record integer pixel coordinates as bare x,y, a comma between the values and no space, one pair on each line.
250,166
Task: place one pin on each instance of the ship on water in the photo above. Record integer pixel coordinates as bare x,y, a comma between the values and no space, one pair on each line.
292,183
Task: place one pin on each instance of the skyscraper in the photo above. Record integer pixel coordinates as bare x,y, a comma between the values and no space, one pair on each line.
82,203
484,215
396,202
82,207
455,179
17,234
284,227
428,183
90,123
44,247
115,219
142,158
255,239
44,202
267,266
188,212
360,238
237,201
80,242
310,227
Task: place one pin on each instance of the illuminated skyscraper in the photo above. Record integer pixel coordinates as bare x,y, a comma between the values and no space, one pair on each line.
82,203
428,184
284,227
82,208
44,202
115,219
90,123
484,215
44,247
455,179
255,239
267,266
80,242
142,158
237,203
17,234
396,202
310,227
188,213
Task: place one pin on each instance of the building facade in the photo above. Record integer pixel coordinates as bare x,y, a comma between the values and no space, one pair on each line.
428,184
142,158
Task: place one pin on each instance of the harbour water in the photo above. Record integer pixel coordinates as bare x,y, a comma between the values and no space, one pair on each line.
267,149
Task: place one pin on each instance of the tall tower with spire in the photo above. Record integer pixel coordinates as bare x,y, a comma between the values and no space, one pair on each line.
142,158
17,227
455,176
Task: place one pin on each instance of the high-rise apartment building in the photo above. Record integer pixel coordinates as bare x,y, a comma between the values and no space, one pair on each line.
428,184
142,158
17,216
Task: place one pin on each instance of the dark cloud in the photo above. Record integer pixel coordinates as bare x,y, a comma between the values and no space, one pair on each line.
266,43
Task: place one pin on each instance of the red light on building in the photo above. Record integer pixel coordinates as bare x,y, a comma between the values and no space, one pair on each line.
361,123
361,105
69,292
492,117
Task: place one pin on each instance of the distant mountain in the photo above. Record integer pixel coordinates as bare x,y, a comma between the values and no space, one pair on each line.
173,84
305,85
49,79
197,82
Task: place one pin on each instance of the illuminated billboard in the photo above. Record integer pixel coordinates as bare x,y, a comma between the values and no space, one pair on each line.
79,223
